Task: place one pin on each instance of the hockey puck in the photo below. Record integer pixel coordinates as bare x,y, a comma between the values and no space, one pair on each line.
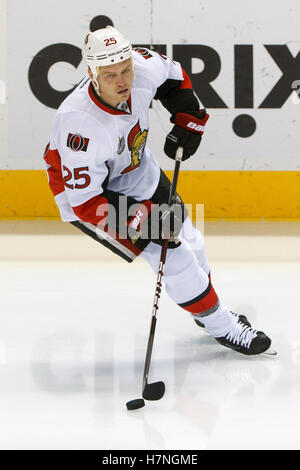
135,404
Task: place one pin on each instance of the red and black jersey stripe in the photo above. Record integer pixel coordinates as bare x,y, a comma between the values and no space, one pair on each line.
55,177
203,304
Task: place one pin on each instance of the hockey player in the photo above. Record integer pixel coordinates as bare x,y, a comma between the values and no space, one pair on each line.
107,183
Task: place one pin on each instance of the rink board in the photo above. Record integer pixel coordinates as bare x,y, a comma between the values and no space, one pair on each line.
247,76
225,194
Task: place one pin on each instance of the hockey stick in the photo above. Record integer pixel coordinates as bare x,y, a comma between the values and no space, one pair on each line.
156,390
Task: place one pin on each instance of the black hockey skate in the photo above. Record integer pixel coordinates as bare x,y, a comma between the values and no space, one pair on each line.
240,317
244,339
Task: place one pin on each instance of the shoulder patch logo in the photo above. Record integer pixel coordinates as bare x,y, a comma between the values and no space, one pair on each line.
143,51
77,143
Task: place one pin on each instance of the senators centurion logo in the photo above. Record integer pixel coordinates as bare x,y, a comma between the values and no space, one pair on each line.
77,143
136,144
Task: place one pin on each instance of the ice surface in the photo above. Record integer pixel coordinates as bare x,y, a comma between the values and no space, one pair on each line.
74,326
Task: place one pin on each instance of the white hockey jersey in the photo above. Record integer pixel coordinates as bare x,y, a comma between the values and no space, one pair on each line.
94,147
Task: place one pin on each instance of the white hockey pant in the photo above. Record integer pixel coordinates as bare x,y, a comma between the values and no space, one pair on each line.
186,272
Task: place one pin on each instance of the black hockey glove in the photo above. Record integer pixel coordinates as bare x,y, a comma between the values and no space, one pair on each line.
186,133
170,223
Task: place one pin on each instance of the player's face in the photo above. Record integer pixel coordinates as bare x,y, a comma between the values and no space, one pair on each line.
115,82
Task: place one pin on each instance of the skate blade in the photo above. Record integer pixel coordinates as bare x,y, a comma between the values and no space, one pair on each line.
269,352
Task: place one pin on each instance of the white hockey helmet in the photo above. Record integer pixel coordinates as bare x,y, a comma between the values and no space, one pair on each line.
106,46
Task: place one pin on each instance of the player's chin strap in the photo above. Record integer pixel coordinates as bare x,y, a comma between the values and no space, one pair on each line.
96,85
156,390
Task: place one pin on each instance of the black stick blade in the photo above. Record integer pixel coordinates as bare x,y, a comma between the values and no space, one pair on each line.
135,404
154,391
